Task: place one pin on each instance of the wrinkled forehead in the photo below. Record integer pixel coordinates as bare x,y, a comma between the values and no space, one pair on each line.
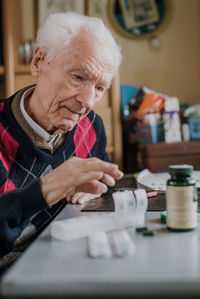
87,51
84,43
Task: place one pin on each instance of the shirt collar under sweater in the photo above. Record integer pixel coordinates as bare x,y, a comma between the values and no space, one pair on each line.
50,139
37,134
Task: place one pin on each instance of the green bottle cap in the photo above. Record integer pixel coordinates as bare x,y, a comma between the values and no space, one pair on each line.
181,169
163,216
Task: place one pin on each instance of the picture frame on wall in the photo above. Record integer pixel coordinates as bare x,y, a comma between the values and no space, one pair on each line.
139,19
46,7
138,13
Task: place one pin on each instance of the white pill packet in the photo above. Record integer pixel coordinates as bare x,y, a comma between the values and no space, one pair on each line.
130,208
99,246
121,243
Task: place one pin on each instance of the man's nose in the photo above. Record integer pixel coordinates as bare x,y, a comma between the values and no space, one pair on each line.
86,96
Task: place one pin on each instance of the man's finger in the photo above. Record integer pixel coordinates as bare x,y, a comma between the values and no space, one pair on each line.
76,197
108,180
94,187
86,197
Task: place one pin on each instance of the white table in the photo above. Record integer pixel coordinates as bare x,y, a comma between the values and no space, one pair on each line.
163,265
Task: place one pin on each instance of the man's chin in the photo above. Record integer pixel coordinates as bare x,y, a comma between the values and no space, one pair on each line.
64,128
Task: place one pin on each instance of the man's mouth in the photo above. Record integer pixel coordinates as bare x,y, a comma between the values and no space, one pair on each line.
73,111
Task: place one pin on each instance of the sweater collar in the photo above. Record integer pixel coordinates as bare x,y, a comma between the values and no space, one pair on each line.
37,134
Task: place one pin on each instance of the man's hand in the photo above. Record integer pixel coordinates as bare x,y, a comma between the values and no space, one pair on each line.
82,198
78,175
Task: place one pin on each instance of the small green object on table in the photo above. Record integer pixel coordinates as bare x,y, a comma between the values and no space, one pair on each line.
141,229
148,232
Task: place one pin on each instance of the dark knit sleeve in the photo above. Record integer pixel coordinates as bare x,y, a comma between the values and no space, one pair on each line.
16,208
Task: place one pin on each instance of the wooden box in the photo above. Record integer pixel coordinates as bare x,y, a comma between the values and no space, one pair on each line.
157,157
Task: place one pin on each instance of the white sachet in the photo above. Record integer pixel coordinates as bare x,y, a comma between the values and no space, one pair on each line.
99,246
121,243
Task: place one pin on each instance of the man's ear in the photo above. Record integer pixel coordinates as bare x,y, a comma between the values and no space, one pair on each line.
38,57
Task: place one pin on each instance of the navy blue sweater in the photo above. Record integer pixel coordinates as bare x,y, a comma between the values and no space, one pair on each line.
22,164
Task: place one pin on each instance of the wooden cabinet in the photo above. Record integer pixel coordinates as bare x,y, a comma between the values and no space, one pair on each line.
14,76
158,156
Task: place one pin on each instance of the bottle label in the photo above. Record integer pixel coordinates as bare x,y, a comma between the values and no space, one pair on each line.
182,207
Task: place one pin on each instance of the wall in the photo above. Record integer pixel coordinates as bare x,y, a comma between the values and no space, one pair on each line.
175,68
27,11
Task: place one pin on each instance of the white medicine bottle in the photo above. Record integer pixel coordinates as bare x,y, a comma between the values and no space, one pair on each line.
181,199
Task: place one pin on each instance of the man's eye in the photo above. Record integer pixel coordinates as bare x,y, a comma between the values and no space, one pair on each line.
99,88
78,77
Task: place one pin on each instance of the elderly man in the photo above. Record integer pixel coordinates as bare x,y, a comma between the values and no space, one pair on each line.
48,129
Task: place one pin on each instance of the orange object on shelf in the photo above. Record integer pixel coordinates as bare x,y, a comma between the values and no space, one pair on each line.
151,103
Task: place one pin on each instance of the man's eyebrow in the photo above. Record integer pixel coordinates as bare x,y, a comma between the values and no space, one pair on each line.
74,70
89,74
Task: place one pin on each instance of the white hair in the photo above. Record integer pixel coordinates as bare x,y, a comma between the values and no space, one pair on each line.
60,28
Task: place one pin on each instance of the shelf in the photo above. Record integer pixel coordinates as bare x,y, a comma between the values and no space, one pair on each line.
2,70
22,69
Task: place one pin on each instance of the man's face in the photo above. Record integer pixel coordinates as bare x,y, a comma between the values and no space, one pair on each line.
70,84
